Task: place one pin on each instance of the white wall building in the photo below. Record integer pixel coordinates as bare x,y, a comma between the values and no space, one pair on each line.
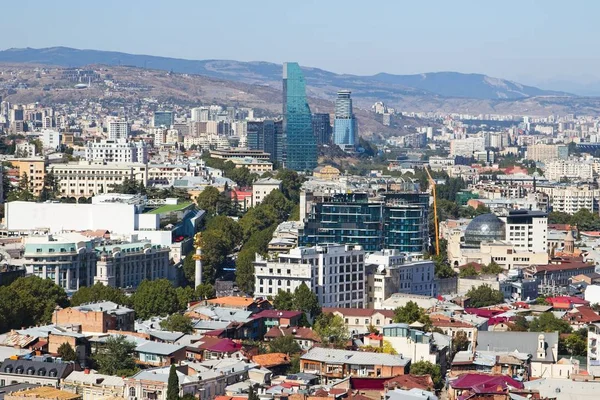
527,230
389,271
117,151
466,147
570,169
336,273
570,199
118,129
262,187
51,139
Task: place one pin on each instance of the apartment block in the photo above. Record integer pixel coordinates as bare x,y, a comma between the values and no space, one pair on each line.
34,168
117,151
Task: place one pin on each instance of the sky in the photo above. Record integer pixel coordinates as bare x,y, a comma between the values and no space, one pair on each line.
545,43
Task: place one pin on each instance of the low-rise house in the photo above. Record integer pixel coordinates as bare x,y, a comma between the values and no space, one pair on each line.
242,303
581,317
409,381
451,327
278,363
214,348
157,354
305,337
93,386
40,370
513,364
412,394
216,375
485,386
271,318
96,317
336,364
358,320
152,384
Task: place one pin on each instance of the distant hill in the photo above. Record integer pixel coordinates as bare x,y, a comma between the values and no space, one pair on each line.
385,87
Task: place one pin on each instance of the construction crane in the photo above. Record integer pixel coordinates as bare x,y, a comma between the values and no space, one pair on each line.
435,216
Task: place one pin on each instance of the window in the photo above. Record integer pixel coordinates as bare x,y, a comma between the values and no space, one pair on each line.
132,392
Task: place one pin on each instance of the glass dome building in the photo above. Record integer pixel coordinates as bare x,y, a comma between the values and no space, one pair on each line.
484,228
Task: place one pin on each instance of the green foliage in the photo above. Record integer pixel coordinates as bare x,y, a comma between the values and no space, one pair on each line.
484,295
66,352
468,272
460,342
584,219
284,344
214,253
178,323
520,324
98,292
332,330
129,186
36,299
185,295
173,384
575,345
541,300
306,301
492,268
410,313
244,270
50,189
557,217
291,183
284,301
152,298
189,266
427,368
294,364
115,357
232,231
205,291
213,201
547,322
242,176
282,206
22,192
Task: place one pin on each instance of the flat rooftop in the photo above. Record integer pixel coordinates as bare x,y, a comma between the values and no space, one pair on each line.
170,208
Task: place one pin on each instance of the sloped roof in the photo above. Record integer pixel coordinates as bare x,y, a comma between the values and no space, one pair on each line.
523,342
410,382
354,357
482,381
271,359
296,332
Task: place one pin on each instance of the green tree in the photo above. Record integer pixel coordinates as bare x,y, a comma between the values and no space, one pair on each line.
173,384
460,342
332,330
152,298
189,267
427,368
556,217
214,253
575,345
185,295
547,322
258,219
279,203
492,268
484,295
39,297
66,352
50,188
98,292
39,146
213,201
205,291
129,186
410,313
306,301
231,230
242,176
283,301
178,323
291,183
284,344
10,305
468,271
520,324
115,357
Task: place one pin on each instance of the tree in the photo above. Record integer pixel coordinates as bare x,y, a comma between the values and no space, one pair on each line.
291,183
231,230
575,345
39,146
213,201
185,295
280,204
283,301
427,368
129,186
115,357
205,291
484,295
66,352
285,344
520,324
468,272
306,301
189,266
23,191
178,323
214,253
410,313
492,268
38,297
98,292
332,330
173,384
50,188
547,322
460,342
242,176
152,298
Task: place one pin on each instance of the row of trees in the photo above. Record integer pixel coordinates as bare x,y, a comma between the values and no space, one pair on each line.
470,271
584,219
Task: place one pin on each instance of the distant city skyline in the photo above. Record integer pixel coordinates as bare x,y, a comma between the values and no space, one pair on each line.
541,43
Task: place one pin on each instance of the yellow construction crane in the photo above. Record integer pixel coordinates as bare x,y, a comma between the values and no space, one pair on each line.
435,216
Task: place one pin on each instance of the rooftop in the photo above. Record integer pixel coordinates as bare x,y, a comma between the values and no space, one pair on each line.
354,357
170,208
47,392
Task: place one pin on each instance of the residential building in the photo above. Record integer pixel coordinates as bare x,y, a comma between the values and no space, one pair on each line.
527,230
128,264
94,386
558,274
67,259
334,364
118,129
262,187
117,151
51,139
167,174
227,154
86,179
466,147
36,371
35,170
155,354
389,271
572,169
547,152
593,356
163,118
305,337
358,320
200,114
321,128
336,273
255,166
99,317
394,221
25,150
152,384
300,142
570,199
415,344
345,128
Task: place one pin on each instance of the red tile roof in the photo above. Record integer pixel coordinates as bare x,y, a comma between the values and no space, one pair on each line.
219,345
482,312
567,264
407,382
271,359
482,382
582,315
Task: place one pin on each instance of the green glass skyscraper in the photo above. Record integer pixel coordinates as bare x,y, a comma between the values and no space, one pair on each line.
301,145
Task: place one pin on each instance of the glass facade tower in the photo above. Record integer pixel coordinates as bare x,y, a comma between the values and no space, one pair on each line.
163,118
301,145
321,128
345,129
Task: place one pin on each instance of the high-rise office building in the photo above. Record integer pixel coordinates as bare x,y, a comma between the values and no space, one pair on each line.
267,136
345,130
200,114
163,118
118,129
397,221
300,144
321,128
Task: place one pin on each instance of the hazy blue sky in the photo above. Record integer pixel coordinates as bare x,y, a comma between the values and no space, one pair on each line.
530,41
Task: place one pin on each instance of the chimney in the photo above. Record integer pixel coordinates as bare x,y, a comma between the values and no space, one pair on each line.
86,371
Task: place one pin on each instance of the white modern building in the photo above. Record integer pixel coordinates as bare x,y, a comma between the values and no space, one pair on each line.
86,178
571,169
117,151
336,273
389,271
262,187
51,139
466,147
570,199
118,129
167,174
527,230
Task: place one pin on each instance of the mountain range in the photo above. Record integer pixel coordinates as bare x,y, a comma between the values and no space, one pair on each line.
386,87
